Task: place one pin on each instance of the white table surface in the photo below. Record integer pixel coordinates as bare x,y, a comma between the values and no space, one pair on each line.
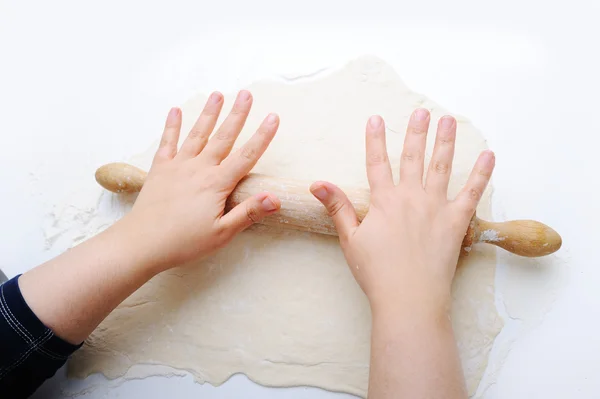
83,84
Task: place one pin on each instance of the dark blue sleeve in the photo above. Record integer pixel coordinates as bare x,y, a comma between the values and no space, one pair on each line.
30,353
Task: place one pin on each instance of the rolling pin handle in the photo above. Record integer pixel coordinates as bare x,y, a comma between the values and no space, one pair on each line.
522,237
121,177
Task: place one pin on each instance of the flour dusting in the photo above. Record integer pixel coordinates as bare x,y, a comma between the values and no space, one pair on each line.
490,236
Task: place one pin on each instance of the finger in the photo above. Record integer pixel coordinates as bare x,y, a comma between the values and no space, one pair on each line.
338,206
471,193
198,136
221,142
413,152
440,167
243,160
167,148
379,171
249,212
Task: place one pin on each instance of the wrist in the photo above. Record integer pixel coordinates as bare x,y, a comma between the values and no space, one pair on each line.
127,242
411,325
408,303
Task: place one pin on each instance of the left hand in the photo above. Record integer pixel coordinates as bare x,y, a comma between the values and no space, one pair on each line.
405,251
179,214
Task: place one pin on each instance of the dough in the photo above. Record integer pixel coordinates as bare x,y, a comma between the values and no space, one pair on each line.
282,307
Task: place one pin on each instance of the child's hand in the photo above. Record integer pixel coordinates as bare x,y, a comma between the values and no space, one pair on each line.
406,249
179,214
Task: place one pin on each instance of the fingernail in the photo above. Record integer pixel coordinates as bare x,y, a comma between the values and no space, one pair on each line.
268,205
173,112
320,193
447,122
243,96
375,121
215,97
272,118
420,114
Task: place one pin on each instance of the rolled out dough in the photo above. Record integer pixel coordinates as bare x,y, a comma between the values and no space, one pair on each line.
282,307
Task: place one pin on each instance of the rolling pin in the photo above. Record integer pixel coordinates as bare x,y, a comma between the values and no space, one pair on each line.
301,211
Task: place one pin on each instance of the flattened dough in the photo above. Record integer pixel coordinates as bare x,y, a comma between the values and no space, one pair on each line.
282,307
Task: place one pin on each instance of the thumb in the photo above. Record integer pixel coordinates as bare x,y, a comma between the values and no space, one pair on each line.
250,211
338,206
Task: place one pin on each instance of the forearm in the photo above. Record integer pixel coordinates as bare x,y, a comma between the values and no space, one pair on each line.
414,354
72,293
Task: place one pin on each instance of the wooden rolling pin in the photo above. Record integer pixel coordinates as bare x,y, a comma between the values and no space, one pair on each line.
301,211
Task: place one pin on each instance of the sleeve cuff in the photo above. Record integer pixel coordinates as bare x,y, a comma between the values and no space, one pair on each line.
26,327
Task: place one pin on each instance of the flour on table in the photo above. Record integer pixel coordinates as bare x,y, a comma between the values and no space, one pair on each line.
282,307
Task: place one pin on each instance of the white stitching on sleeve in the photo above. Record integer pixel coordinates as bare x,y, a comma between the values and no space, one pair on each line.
40,341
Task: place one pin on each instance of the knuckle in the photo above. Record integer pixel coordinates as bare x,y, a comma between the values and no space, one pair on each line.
335,207
485,173
440,168
474,194
248,153
238,110
446,140
213,181
161,154
411,156
196,134
222,136
469,208
165,150
164,142
264,132
377,158
416,130
252,213
383,200
211,111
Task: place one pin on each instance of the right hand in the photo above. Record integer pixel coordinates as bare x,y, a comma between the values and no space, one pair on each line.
180,213
405,251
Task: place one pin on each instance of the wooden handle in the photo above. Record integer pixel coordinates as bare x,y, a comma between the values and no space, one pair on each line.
121,177
301,211
522,237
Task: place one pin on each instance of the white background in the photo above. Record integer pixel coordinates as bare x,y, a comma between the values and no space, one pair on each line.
84,83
